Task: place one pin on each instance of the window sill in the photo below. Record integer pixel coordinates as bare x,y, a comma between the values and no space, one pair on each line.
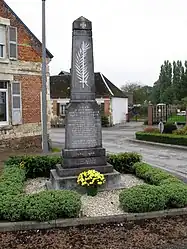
4,61
4,126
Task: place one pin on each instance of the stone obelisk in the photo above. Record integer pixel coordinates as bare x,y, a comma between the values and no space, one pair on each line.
83,136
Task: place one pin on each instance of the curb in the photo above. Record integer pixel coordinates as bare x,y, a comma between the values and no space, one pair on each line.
64,223
172,146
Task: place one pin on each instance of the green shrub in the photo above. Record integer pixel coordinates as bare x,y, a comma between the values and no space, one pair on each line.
49,205
35,166
144,198
182,131
176,195
162,138
43,206
170,180
12,207
104,121
123,162
169,128
12,181
152,175
46,205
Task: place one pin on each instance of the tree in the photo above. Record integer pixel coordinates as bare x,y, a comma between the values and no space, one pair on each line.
141,94
165,79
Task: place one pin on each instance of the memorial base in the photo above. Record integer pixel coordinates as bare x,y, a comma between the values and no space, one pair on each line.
61,178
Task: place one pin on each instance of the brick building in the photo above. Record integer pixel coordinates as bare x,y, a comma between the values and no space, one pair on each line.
20,82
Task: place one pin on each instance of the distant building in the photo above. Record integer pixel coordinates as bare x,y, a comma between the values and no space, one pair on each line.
113,102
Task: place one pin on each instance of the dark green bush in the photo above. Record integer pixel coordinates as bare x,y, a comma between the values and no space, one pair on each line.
35,166
181,131
170,180
123,162
162,138
152,175
49,205
169,128
104,121
43,206
176,195
46,205
12,181
12,207
144,198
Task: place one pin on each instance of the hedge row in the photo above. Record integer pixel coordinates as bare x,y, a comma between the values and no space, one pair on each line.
166,191
162,138
123,162
40,166
35,166
43,206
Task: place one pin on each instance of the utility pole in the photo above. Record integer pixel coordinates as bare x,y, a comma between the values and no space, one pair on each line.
44,86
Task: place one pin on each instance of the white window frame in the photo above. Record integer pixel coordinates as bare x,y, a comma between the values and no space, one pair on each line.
13,42
4,44
16,95
2,123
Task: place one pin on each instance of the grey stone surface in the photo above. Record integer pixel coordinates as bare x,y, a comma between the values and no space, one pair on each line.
78,153
82,162
83,135
76,171
70,182
83,126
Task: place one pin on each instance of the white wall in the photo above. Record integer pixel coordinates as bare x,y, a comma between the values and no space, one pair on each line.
119,108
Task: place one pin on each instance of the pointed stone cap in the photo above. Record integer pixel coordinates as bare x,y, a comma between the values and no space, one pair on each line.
82,24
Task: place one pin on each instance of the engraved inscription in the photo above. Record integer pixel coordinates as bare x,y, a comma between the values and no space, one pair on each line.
84,126
89,161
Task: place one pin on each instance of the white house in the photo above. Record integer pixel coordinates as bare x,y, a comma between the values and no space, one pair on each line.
113,102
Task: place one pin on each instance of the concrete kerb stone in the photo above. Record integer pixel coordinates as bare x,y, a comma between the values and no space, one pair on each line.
62,223
172,146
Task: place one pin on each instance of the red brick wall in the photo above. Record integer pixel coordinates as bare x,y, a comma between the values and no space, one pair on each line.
54,107
107,107
150,115
30,90
28,48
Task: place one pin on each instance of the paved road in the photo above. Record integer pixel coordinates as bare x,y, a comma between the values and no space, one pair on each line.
115,140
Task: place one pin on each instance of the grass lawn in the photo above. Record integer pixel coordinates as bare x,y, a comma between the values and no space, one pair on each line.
176,118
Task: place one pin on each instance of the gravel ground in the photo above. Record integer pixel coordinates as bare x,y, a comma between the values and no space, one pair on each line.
105,203
163,233
35,185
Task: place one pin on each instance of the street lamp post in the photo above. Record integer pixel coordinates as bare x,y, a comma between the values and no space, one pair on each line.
44,87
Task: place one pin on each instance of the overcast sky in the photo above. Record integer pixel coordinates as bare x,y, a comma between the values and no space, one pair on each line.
131,38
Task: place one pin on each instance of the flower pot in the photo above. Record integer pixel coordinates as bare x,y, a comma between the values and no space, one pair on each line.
92,190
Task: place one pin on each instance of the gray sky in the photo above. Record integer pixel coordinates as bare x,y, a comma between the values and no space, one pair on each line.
131,38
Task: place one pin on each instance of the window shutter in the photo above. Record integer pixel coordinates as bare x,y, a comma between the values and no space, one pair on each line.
12,43
58,109
16,103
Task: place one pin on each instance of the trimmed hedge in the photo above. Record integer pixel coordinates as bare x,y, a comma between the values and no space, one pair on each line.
151,175
35,166
166,191
43,206
140,199
12,181
162,138
123,162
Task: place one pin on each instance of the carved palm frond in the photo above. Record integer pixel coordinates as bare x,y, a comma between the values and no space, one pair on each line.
81,64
